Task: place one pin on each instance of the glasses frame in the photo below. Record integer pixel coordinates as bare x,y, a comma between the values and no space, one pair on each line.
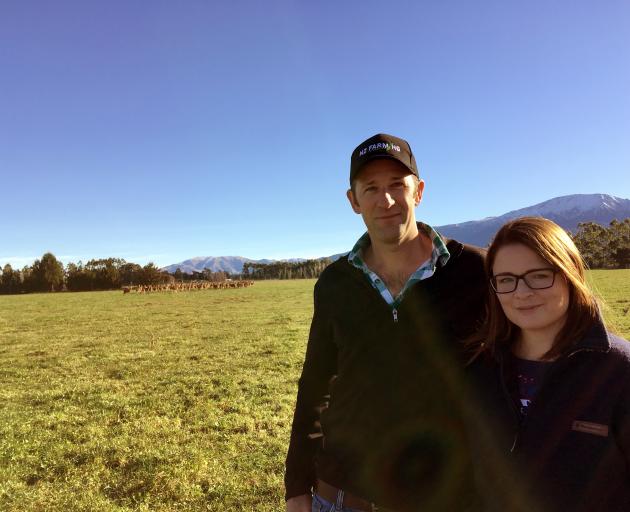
522,277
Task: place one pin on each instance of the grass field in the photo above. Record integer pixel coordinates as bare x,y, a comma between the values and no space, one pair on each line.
163,401
614,287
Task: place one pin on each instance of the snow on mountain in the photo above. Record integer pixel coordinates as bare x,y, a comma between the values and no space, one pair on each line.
567,211
577,203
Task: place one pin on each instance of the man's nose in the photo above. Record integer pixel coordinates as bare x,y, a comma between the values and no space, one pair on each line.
386,200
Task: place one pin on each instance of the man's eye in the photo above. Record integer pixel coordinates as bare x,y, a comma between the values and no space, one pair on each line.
370,189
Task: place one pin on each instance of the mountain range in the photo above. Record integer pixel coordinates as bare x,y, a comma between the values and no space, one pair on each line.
567,211
229,264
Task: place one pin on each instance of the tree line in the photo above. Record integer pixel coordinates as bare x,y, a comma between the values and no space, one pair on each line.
48,274
604,247
205,275
285,269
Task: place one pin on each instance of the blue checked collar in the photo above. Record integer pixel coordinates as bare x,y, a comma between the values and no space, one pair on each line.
439,254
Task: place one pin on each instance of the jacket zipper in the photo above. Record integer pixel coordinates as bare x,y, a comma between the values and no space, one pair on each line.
520,422
515,413
368,285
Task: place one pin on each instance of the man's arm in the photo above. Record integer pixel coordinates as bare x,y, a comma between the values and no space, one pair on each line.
319,366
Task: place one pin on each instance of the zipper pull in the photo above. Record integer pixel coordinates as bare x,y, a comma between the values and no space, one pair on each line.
395,314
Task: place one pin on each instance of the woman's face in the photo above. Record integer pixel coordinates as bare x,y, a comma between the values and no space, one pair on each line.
538,312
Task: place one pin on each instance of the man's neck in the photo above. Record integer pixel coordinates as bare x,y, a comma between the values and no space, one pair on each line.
394,263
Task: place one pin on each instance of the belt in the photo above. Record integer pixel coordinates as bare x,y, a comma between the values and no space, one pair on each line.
330,493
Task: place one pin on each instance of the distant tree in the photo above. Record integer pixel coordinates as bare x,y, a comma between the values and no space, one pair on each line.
50,273
178,275
29,279
208,275
622,257
10,282
105,272
620,243
131,274
18,280
592,241
285,269
197,276
79,278
5,281
604,247
73,273
152,275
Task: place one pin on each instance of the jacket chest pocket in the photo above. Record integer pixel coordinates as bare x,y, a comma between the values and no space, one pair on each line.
588,444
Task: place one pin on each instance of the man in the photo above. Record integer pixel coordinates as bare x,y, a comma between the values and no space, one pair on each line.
376,423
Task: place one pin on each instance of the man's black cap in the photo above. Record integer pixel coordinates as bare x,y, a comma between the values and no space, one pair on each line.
382,146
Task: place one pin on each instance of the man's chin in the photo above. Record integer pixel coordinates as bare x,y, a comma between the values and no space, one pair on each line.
392,236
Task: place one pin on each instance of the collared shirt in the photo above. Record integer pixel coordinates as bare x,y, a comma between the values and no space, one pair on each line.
439,254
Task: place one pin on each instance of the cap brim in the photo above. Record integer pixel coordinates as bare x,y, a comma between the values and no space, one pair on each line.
370,158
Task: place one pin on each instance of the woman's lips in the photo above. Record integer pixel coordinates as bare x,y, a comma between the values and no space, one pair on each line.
528,308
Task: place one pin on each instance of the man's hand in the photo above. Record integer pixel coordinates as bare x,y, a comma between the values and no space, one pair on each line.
302,503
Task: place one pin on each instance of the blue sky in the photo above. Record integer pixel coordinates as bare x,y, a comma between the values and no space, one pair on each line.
158,131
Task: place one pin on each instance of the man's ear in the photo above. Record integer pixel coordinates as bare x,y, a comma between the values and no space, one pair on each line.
353,202
419,192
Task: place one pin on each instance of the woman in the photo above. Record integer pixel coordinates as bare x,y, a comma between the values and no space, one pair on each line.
552,425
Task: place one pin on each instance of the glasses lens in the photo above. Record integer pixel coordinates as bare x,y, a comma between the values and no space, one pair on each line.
504,284
538,279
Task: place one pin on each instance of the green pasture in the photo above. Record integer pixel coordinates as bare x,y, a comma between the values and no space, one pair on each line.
112,402
613,287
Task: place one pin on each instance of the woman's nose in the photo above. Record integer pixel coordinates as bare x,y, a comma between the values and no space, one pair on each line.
522,288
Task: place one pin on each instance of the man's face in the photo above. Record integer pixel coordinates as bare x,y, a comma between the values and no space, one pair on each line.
385,195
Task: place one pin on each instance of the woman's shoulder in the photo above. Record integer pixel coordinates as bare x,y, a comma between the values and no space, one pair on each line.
599,339
619,348
615,362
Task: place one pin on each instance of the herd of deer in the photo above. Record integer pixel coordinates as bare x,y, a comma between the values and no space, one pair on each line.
186,286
